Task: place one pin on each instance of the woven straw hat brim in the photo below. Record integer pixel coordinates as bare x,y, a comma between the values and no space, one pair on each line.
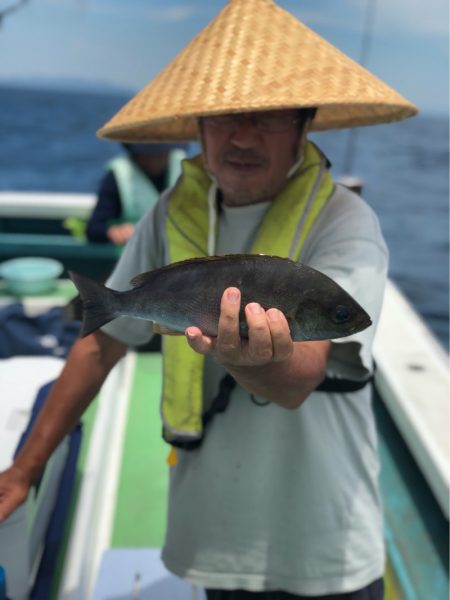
255,56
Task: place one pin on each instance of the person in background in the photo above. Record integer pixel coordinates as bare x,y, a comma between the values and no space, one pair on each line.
274,492
131,186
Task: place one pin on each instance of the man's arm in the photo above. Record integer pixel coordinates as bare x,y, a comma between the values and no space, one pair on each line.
87,367
269,364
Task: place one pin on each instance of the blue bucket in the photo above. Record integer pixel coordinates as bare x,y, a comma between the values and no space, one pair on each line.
30,275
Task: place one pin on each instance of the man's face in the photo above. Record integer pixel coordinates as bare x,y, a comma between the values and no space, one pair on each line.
250,154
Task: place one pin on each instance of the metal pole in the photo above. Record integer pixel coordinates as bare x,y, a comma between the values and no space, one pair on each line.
366,42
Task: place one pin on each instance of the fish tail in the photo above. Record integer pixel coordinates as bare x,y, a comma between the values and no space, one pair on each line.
97,303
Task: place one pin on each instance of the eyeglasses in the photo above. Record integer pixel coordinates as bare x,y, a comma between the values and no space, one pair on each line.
267,122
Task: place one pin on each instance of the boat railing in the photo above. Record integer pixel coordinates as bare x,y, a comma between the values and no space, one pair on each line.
412,377
46,205
36,224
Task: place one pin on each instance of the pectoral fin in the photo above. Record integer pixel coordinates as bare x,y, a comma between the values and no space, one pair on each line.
163,330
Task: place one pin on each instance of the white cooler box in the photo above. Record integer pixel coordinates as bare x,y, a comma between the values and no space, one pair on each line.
22,535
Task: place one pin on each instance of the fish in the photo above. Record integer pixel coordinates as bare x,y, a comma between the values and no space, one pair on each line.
188,293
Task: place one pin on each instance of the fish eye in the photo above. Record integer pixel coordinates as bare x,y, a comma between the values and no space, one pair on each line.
341,314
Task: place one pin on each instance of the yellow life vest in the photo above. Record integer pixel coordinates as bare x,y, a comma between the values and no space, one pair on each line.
282,232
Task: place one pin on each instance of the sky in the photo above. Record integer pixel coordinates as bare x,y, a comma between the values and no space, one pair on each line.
124,43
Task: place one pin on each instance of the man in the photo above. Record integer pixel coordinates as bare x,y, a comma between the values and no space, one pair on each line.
276,496
130,187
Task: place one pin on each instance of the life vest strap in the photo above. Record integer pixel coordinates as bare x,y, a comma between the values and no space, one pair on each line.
227,385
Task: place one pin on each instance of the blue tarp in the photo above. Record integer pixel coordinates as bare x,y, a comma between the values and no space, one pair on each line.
46,334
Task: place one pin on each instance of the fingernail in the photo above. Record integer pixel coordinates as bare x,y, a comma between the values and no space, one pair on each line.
273,314
190,334
233,296
255,308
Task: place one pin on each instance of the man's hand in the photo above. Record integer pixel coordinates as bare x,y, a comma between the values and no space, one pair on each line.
269,338
120,234
14,488
269,364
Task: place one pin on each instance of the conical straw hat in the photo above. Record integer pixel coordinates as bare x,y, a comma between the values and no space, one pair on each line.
255,56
